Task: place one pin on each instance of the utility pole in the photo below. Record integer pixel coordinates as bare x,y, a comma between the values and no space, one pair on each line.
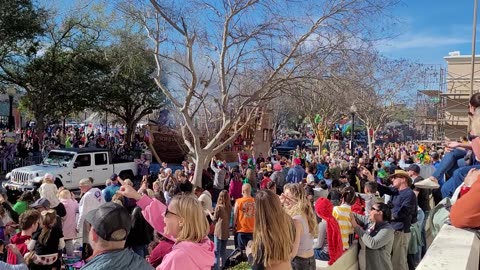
474,39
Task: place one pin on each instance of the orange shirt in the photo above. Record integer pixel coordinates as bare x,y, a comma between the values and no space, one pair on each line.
245,215
465,212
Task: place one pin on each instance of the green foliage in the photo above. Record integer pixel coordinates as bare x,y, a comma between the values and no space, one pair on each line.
20,23
241,266
128,90
57,78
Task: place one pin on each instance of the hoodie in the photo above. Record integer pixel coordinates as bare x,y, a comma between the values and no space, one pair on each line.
19,240
324,209
189,255
123,259
184,255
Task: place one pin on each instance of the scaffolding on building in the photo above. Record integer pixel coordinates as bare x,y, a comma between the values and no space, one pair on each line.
452,115
428,110
426,113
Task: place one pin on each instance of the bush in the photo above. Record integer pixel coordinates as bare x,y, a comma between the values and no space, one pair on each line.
241,266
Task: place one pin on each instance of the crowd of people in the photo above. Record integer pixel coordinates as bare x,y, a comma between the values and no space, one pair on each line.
27,148
282,212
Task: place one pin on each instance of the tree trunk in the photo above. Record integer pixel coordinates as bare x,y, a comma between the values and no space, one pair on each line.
200,164
40,128
129,133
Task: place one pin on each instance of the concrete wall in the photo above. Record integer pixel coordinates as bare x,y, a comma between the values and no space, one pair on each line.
452,249
348,261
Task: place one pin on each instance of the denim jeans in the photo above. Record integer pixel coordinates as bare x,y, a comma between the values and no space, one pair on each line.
220,249
243,239
450,162
299,263
321,255
456,180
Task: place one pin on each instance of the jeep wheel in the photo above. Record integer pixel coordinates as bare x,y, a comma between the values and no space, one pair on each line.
58,183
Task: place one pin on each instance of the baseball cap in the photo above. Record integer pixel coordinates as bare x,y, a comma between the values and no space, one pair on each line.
414,168
113,177
109,218
297,161
42,202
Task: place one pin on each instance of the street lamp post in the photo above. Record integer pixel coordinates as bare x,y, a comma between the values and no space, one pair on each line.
353,110
11,91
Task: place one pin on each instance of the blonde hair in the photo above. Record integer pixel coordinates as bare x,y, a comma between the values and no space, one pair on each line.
302,207
195,227
118,199
65,194
150,193
273,231
48,181
177,174
128,182
252,177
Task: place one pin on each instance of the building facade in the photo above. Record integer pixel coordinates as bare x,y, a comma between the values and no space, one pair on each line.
454,102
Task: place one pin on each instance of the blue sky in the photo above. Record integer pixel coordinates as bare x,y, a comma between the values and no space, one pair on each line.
431,29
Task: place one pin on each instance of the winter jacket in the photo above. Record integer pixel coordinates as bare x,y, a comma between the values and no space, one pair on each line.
124,259
69,221
376,242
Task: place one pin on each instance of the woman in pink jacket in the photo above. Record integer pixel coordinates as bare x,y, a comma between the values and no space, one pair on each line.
185,223
69,221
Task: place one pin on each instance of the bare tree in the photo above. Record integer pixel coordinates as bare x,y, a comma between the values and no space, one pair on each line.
322,103
380,84
230,58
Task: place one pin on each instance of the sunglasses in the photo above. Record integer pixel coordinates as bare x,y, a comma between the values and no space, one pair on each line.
377,210
170,212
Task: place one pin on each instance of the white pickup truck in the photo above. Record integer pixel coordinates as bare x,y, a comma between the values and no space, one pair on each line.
69,166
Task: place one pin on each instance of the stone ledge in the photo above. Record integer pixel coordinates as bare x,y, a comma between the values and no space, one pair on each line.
348,261
453,248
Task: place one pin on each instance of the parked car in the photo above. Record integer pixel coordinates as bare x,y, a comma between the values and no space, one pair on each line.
69,166
290,145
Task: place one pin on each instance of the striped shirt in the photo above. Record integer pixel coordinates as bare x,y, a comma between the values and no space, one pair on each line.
342,215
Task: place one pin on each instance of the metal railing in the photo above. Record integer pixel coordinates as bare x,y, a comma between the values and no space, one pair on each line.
7,165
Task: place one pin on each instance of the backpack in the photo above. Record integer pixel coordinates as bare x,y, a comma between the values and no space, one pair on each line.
439,216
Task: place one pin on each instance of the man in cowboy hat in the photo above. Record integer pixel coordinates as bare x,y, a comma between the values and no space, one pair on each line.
404,212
